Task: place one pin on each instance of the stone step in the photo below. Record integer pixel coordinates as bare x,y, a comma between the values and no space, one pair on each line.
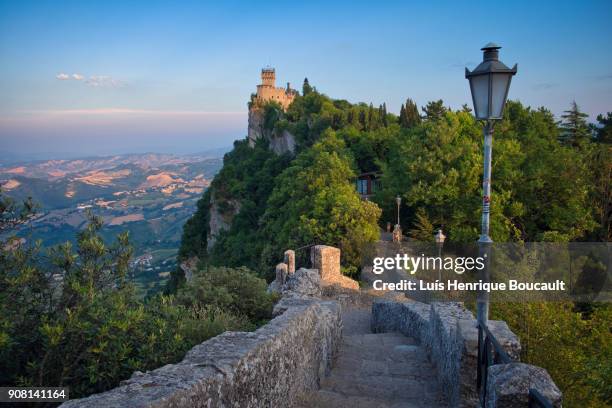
412,389
382,351
377,370
330,399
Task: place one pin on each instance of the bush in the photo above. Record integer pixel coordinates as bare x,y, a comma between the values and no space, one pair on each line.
237,290
90,331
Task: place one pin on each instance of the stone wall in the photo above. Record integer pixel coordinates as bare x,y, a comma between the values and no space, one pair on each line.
449,333
265,368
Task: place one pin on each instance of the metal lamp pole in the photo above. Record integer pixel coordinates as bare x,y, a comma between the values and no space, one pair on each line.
398,200
485,241
489,85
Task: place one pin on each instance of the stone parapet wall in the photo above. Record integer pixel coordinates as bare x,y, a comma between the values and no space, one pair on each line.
449,333
326,259
265,368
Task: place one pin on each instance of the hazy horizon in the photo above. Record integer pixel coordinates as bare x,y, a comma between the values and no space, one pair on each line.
82,79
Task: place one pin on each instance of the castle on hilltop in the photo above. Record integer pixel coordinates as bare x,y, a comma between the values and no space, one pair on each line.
267,90
280,141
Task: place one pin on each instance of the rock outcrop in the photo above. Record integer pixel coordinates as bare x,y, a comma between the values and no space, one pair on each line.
280,141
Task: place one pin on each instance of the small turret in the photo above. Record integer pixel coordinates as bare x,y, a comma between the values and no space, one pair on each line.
268,77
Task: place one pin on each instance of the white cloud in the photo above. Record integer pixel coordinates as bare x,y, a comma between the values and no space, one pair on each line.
103,81
96,81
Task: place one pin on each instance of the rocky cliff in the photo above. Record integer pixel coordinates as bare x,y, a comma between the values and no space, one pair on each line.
220,220
281,141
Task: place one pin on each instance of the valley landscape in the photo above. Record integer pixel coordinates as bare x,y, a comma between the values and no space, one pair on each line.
150,195
196,199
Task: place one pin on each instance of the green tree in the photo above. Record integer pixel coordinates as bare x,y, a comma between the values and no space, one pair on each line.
604,130
434,110
410,116
77,322
315,202
306,88
438,167
574,127
237,290
576,352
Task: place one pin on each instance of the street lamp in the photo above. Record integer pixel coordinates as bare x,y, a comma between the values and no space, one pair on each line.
439,237
489,85
397,230
398,200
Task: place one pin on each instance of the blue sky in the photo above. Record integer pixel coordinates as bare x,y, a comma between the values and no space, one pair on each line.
176,76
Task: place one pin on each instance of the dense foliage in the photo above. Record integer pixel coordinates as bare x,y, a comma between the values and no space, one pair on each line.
315,203
551,182
84,327
540,187
273,203
577,352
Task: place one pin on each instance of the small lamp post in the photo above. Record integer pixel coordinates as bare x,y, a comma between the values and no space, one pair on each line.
397,230
489,85
398,200
439,237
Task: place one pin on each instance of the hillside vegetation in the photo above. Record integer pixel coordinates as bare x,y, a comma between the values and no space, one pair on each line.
551,182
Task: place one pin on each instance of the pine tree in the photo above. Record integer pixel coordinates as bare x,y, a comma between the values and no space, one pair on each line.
574,127
306,88
383,114
604,131
423,229
412,114
402,116
372,120
362,119
434,110
465,108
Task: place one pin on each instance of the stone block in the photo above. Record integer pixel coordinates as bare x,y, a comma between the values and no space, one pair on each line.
281,273
289,259
326,260
508,385
305,282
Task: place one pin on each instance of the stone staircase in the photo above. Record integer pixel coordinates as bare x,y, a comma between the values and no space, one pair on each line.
387,370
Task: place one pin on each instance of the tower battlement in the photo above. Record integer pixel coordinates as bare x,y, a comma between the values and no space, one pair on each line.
268,76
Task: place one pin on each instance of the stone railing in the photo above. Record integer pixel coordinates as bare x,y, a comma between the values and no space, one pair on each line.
269,367
449,334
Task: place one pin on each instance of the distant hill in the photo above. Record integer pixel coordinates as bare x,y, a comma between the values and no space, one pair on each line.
150,195
58,184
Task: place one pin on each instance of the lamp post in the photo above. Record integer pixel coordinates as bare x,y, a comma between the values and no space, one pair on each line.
398,200
439,237
397,230
489,85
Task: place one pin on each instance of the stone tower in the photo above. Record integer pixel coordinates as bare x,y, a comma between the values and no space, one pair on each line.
268,77
267,91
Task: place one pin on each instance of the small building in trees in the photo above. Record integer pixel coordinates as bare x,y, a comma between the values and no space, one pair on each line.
367,184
